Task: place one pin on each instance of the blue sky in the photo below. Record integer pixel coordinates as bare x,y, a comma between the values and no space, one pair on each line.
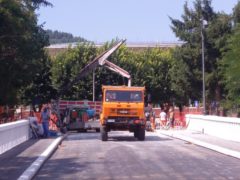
103,20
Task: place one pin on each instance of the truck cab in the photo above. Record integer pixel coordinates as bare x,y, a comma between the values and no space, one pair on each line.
123,109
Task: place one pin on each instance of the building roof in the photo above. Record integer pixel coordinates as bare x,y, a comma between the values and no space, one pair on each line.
123,88
129,45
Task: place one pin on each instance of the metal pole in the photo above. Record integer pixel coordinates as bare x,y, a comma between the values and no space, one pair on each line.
203,70
129,82
93,85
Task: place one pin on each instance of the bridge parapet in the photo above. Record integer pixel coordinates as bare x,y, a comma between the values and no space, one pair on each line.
13,134
223,127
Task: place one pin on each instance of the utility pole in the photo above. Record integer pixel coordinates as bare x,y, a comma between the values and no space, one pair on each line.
93,85
203,69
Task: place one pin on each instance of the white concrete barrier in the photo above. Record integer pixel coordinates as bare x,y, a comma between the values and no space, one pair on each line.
13,134
223,127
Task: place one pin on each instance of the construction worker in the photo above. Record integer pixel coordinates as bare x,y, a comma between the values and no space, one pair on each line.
171,116
45,116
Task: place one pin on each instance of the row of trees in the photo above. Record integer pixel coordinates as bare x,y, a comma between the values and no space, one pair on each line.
173,74
149,68
27,74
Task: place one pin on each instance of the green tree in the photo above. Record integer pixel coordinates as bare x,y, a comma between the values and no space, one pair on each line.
236,13
189,31
180,75
21,46
149,68
230,67
40,91
66,67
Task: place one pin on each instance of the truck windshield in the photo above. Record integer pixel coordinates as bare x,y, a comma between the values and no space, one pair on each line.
123,96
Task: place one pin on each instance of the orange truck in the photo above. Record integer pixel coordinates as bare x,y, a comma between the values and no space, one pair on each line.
123,109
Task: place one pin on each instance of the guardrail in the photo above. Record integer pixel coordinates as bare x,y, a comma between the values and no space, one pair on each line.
223,127
13,134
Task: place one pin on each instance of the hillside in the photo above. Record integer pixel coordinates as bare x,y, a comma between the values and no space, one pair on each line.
57,37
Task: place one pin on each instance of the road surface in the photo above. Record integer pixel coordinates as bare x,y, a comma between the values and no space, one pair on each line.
85,156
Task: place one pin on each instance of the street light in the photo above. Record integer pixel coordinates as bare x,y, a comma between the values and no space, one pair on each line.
203,23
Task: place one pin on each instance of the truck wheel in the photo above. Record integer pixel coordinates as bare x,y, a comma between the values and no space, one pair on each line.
135,133
141,134
104,134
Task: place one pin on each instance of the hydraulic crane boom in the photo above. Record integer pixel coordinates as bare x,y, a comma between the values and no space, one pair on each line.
102,61
117,69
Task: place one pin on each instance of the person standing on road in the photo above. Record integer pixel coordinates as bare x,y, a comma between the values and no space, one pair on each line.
171,116
163,118
45,116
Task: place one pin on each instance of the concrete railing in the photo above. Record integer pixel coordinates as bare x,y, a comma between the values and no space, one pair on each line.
13,134
223,127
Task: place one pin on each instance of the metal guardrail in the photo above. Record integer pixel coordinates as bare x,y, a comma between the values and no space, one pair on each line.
223,127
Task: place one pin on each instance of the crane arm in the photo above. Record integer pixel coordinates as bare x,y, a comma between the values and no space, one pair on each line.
117,69
99,60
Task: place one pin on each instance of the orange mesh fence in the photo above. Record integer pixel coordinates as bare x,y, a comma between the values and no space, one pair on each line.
180,116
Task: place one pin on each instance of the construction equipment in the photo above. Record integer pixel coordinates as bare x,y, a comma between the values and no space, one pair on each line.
78,122
126,111
123,109
80,118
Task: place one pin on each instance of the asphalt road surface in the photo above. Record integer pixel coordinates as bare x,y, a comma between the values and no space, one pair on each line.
85,156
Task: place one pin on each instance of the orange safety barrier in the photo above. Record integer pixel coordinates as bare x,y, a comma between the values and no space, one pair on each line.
74,114
1,109
84,116
153,124
179,117
53,122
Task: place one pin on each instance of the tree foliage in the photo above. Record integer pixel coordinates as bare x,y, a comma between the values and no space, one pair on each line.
66,67
168,74
215,36
149,68
236,13
40,91
21,46
230,67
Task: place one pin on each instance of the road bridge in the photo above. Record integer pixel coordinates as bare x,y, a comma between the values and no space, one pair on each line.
165,154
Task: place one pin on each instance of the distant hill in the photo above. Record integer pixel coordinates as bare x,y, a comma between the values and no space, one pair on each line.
57,37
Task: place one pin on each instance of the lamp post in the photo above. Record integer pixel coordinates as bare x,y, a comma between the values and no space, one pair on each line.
203,69
93,85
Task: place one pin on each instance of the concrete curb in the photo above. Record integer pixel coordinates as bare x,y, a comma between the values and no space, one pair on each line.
31,171
216,148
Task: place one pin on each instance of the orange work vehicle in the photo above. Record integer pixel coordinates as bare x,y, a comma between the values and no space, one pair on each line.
123,109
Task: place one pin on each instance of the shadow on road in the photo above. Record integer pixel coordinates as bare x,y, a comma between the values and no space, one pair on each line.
157,138
129,138
65,167
82,136
15,161
113,136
